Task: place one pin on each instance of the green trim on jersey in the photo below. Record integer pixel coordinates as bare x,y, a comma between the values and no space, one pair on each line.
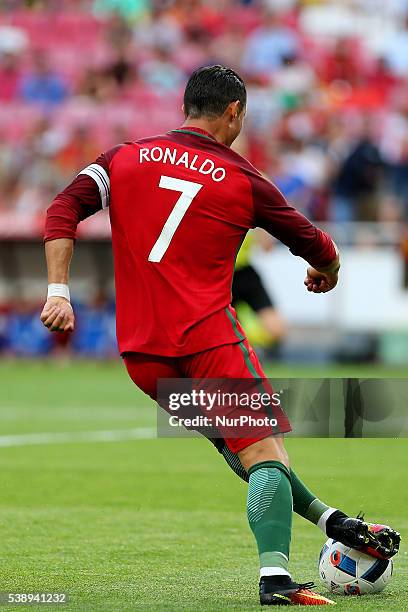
241,345
247,359
234,324
194,134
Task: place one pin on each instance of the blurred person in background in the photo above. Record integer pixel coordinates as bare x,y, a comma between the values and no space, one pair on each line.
294,79
10,76
77,149
161,72
37,168
342,63
394,147
41,84
131,9
13,39
13,42
197,17
24,337
396,51
255,308
94,87
163,29
399,178
95,334
268,46
357,184
120,70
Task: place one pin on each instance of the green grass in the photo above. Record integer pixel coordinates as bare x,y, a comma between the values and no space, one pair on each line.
160,524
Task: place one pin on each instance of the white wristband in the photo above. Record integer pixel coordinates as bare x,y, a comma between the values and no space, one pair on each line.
58,290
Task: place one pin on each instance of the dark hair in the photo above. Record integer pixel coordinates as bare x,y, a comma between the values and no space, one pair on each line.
210,90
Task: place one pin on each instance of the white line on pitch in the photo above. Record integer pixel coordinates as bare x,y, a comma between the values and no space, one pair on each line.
114,435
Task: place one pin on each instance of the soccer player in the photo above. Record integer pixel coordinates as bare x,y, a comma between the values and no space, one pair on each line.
180,206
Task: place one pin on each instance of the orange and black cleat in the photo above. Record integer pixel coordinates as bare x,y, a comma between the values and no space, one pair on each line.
282,591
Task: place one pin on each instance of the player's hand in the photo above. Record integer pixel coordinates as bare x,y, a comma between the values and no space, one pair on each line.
320,282
58,315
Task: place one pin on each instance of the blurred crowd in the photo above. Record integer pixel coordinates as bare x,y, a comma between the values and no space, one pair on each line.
327,82
23,335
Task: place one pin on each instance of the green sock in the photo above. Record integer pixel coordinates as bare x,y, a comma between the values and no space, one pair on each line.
269,508
305,502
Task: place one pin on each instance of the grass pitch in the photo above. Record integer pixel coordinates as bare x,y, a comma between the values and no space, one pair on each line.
155,524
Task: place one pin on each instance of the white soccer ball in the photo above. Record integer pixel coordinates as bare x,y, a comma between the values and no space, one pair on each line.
347,571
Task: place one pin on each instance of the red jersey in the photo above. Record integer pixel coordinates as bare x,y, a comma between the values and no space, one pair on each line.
180,206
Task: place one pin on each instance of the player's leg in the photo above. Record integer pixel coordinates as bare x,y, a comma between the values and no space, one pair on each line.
269,504
269,509
269,485
264,458
231,458
378,540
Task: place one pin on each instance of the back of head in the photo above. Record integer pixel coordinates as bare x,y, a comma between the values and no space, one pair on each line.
210,90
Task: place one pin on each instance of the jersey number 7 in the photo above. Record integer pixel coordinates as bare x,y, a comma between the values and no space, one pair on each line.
188,191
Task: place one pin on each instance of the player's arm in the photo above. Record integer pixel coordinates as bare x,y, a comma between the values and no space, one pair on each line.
57,313
276,216
87,194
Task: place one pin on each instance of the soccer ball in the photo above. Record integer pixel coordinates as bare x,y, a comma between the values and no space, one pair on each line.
347,571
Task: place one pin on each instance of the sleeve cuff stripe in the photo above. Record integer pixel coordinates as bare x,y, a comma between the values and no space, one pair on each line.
99,175
104,177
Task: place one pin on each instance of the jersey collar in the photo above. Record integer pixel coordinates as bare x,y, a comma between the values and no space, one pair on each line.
194,131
